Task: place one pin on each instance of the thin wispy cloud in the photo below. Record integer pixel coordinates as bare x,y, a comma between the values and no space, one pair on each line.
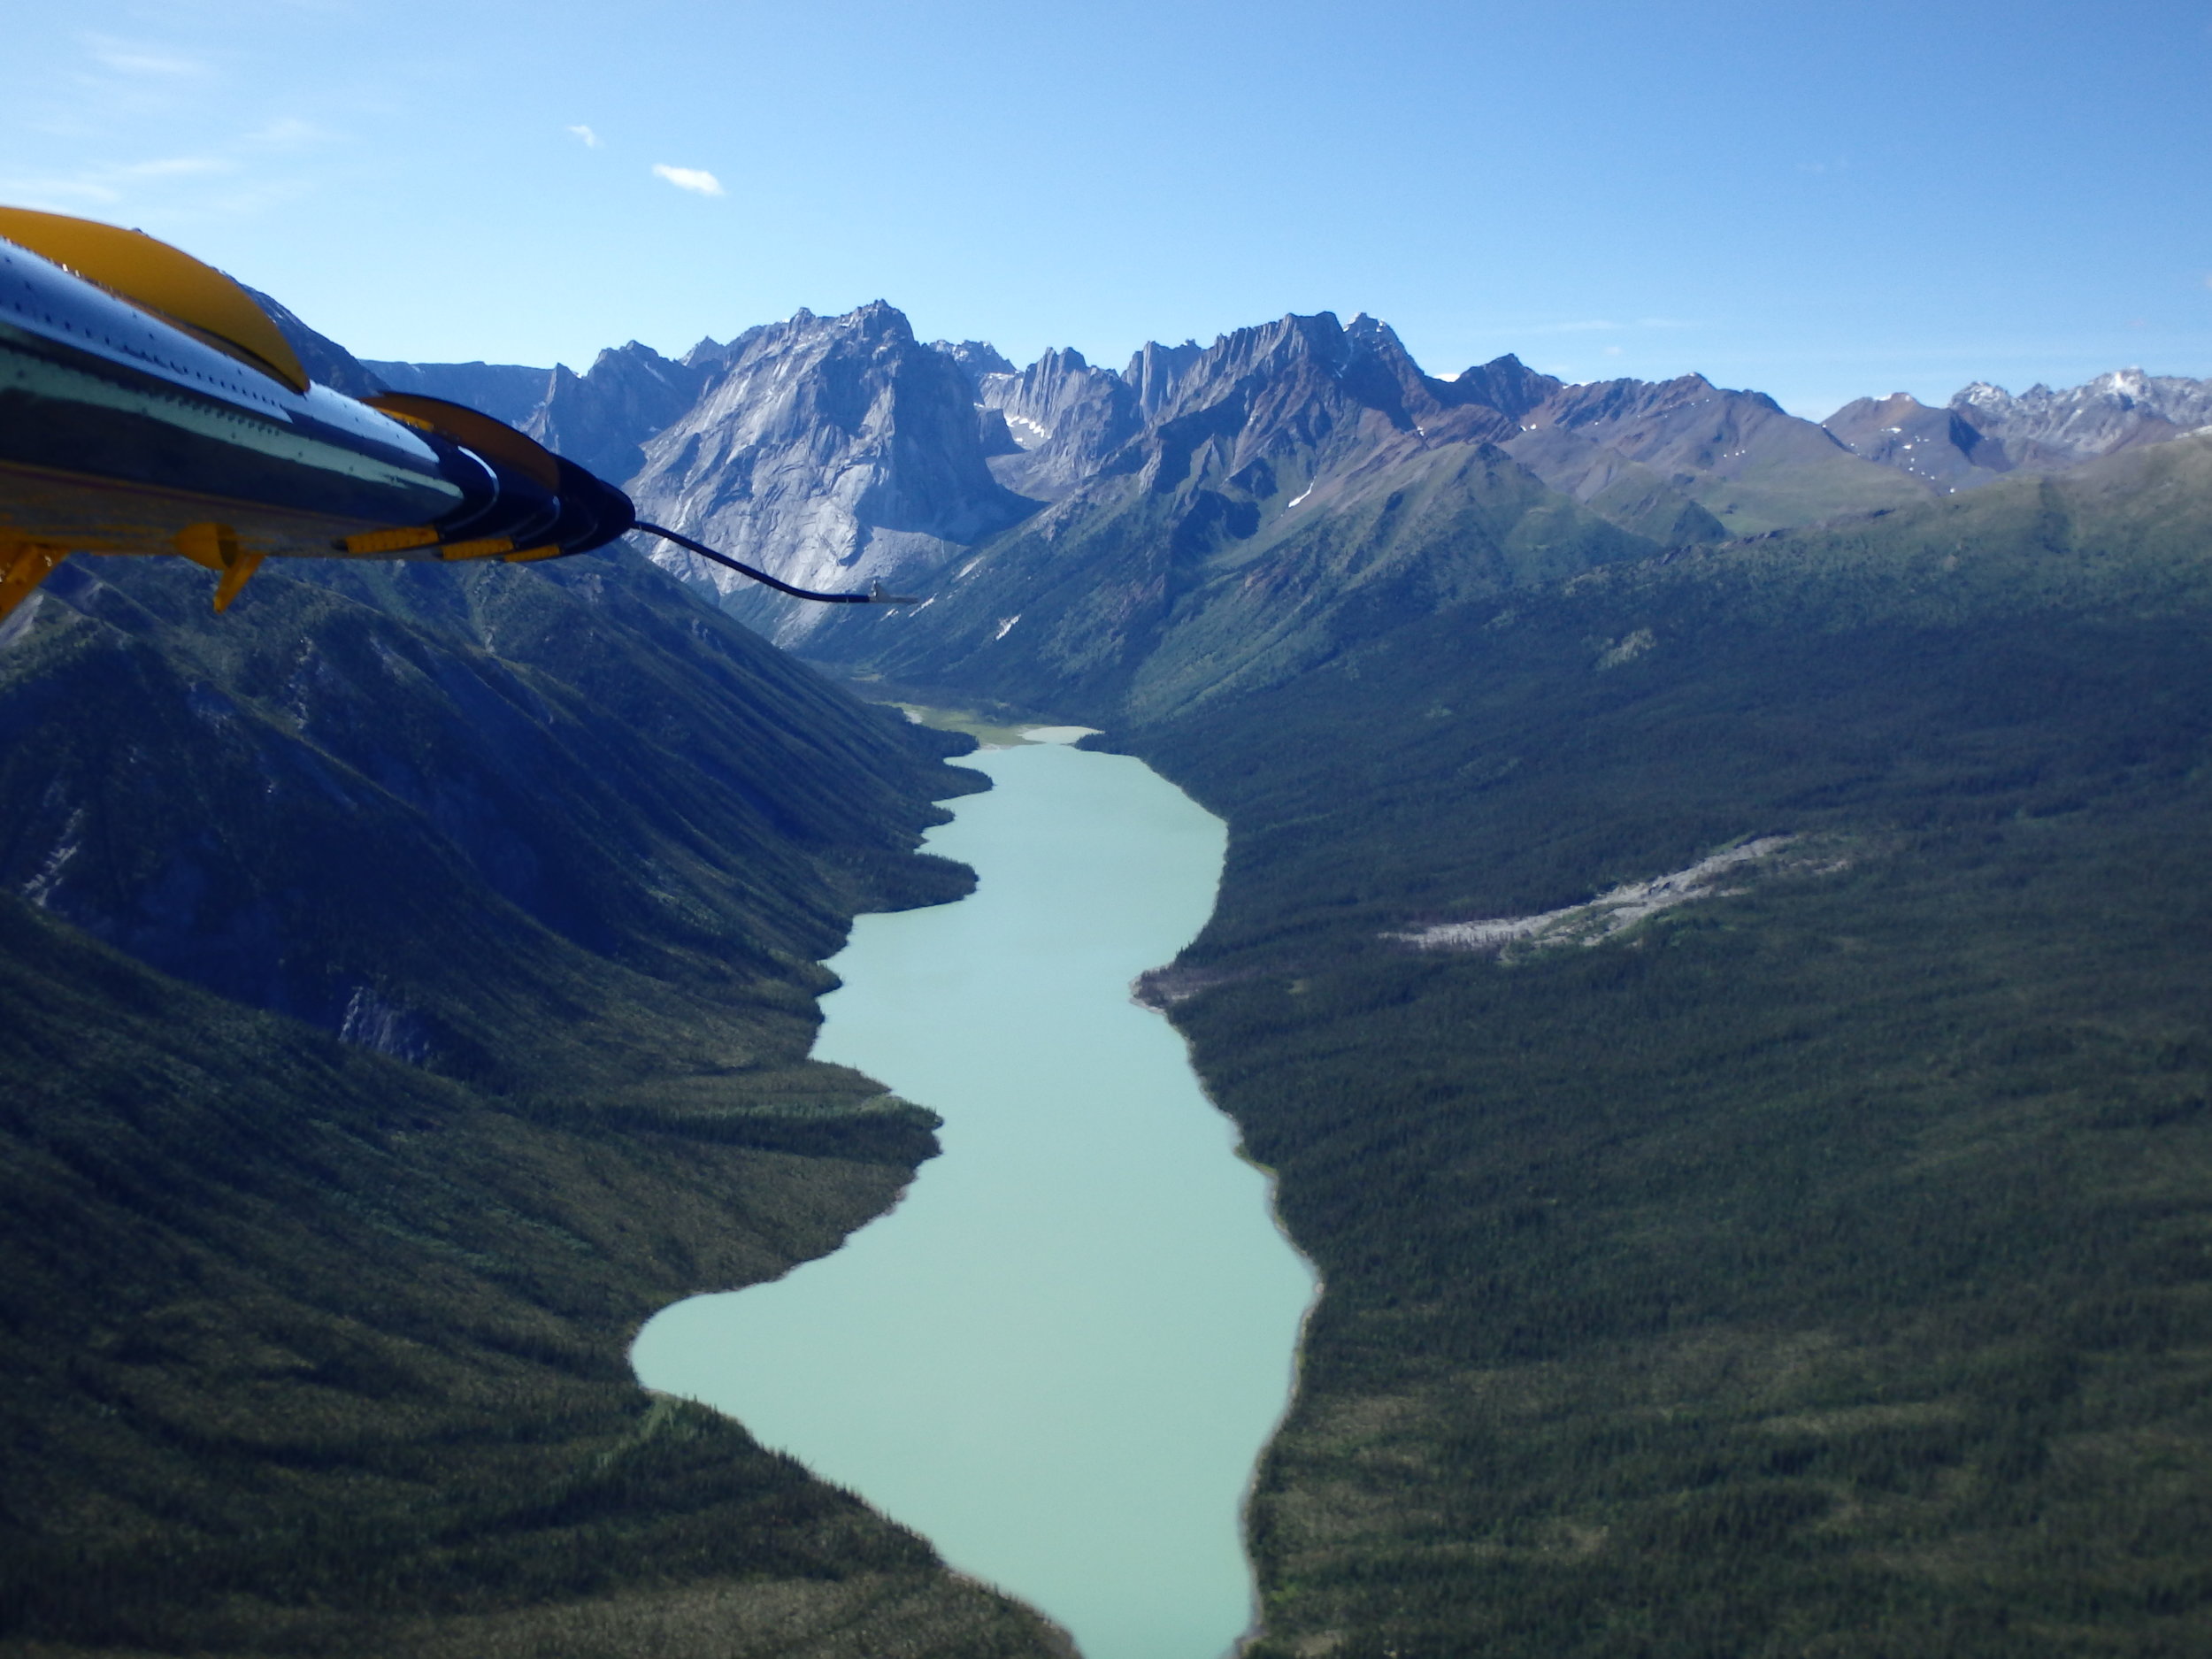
108,182
56,195
173,168
286,132
136,57
694,178
592,141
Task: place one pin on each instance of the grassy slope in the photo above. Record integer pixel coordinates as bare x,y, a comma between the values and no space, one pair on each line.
310,1351
1822,1270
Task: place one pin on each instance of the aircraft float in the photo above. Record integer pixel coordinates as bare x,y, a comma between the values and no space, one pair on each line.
148,405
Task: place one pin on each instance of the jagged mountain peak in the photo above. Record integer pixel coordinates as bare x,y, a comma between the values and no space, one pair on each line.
1154,370
1505,384
1738,455
830,450
2047,430
602,418
1289,385
1940,445
976,357
1062,419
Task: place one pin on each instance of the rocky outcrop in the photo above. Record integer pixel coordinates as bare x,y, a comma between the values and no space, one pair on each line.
1940,445
830,450
1300,486
1308,401
1738,454
2044,431
602,419
977,358
1064,419
1153,371
1986,431
1505,384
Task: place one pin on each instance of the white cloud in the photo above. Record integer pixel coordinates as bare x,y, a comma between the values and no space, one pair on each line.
689,178
592,141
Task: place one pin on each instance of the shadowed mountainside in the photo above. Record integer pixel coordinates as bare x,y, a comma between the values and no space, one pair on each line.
513,882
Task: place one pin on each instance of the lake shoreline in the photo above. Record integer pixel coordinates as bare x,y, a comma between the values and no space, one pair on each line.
1129,1292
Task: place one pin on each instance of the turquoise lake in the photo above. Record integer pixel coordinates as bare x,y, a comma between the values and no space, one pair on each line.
1059,1357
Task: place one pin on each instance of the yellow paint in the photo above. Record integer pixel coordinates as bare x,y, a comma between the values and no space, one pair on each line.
391,540
212,546
234,579
482,549
530,556
26,563
166,281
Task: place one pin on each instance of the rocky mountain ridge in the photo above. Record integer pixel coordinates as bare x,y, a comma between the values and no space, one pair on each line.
836,450
1301,484
832,451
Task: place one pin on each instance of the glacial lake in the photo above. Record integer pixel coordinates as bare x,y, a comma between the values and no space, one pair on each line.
1059,1357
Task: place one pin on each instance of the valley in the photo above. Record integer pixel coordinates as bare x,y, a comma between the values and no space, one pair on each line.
414,982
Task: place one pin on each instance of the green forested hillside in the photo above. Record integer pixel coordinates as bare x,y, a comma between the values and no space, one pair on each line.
1821,1267
319,1346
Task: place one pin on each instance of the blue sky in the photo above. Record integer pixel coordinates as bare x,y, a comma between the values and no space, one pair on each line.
1816,200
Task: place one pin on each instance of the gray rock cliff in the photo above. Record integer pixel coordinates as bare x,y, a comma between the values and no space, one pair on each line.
2045,431
602,419
1940,445
831,451
1063,418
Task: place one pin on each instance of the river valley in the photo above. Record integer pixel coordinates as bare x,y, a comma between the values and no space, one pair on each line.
1060,1355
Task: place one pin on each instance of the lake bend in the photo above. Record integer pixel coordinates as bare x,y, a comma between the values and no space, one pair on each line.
1060,1355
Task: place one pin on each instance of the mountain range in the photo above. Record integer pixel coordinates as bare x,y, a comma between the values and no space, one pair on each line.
839,449
1711,949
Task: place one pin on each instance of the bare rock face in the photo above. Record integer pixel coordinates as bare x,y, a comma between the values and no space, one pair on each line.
1986,431
2044,431
602,419
1305,399
1505,384
1940,445
1299,487
828,450
1736,455
1063,417
1153,371
977,358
